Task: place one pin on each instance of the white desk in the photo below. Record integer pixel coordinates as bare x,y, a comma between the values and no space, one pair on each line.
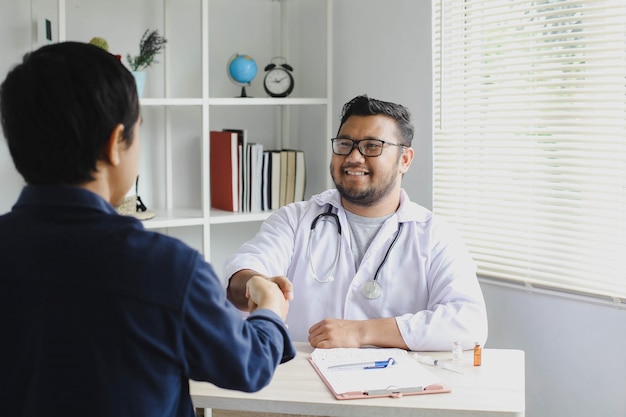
494,389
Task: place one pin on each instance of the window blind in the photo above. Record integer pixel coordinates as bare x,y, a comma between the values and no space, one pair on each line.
529,147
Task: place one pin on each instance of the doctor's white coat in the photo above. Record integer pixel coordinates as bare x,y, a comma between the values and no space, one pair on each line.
429,280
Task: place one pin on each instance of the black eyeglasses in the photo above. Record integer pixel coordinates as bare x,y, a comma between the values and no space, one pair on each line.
367,147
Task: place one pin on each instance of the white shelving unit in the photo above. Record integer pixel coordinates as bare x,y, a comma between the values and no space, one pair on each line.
188,94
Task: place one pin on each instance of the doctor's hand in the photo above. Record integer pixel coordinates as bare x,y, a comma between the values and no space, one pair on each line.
336,333
237,287
261,293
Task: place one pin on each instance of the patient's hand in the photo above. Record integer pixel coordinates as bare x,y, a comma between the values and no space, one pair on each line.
261,293
284,284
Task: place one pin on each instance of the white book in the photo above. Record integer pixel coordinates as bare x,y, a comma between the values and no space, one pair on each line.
300,180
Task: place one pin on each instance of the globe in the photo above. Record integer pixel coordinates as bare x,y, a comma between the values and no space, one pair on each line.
241,70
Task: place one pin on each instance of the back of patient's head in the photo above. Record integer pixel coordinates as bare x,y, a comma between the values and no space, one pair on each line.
59,107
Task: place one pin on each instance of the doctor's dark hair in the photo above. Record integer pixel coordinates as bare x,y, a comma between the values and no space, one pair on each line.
59,107
365,106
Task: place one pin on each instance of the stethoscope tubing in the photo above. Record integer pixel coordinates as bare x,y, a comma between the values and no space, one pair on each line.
330,277
320,216
393,243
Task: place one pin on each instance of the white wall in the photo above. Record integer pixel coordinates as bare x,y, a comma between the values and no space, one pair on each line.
575,350
15,40
383,49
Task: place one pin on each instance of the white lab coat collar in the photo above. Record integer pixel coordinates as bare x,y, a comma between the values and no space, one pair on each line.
407,212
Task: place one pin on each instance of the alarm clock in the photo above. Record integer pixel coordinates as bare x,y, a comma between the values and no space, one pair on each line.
278,81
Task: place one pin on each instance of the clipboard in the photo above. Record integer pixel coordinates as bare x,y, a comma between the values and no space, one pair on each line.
405,377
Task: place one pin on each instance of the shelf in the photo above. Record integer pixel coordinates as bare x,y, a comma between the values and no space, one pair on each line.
265,101
171,101
174,218
234,101
228,217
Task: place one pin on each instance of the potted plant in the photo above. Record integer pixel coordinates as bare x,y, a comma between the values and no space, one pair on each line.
150,46
100,42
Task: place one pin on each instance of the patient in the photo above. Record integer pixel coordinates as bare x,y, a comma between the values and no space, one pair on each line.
99,316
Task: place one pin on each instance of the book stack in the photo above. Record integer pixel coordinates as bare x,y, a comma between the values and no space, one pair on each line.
247,178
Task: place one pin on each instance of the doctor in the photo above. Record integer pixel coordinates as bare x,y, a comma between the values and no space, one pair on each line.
363,264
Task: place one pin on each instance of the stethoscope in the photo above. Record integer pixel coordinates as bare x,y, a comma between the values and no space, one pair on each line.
371,289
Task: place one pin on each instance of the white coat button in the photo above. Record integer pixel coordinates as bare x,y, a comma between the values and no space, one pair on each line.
351,295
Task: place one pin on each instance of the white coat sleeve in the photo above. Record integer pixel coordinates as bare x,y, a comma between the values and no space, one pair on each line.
456,307
270,251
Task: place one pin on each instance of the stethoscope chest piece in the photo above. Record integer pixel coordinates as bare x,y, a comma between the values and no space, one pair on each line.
371,289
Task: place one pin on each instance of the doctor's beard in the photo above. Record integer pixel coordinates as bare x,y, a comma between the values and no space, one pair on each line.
369,195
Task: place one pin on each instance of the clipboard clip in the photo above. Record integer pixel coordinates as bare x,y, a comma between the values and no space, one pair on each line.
394,392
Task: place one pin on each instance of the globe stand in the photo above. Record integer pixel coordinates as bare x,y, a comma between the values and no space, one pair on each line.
243,93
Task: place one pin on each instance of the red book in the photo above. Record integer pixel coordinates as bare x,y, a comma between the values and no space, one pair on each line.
224,170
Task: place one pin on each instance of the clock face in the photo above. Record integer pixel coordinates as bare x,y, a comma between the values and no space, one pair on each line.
278,82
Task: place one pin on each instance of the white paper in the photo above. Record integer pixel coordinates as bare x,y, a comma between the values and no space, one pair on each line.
407,375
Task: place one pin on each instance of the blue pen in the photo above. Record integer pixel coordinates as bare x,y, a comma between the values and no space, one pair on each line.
363,365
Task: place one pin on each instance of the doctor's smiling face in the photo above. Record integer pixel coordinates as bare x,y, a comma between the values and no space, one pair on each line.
370,185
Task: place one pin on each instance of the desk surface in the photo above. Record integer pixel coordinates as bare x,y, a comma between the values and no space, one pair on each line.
497,388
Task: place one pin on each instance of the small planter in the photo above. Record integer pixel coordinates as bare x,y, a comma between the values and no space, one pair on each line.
140,79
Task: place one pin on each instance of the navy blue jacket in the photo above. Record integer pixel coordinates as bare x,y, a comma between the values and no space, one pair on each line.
100,317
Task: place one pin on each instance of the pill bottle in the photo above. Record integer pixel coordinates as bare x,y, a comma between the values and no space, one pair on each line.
457,351
478,353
